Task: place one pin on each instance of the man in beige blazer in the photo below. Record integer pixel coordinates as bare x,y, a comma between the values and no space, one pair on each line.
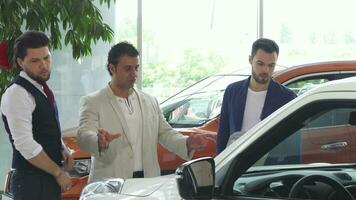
121,126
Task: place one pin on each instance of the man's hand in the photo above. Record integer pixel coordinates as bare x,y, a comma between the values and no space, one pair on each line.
68,160
199,142
104,139
63,180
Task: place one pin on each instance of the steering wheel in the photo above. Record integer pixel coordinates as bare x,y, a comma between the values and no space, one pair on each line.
298,186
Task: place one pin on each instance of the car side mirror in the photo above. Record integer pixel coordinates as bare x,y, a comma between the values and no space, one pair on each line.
196,178
352,118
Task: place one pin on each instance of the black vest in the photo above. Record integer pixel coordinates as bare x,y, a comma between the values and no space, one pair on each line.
45,128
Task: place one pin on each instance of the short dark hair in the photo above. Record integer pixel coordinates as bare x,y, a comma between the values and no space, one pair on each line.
29,39
266,45
118,50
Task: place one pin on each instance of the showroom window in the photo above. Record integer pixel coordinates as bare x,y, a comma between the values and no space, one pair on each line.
185,41
71,79
311,31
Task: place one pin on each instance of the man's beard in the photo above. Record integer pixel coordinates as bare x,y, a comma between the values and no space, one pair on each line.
258,79
41,80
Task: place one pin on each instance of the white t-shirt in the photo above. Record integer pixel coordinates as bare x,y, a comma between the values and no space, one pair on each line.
133,116
253,109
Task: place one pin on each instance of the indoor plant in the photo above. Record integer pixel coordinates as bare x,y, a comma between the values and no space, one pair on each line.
75,22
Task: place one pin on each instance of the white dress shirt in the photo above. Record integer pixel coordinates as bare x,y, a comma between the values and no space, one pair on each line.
17,104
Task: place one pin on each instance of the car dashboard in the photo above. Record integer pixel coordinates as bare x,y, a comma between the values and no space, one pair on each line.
326,184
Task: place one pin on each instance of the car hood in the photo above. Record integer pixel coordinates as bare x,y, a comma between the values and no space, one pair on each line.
163,187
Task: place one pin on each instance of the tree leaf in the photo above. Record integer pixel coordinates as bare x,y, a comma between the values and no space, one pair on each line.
81,22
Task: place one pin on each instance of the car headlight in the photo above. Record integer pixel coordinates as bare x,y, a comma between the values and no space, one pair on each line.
81,168
101,187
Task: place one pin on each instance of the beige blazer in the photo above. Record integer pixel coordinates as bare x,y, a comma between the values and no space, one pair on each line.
101,110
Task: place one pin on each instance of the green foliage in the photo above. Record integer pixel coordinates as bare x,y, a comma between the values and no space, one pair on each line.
5,77
154,73
195,66
78,22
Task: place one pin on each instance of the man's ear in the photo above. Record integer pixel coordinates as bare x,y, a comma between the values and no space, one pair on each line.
112,68
250,59
19,62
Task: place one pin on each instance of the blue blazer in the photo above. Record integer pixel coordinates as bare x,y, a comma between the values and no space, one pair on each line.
233,107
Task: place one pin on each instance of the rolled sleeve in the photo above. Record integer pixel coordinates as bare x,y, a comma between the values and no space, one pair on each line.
18,105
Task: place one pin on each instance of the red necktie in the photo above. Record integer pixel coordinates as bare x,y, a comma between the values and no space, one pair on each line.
51,100
49,94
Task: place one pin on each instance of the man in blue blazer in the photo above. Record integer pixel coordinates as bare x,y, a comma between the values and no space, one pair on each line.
249,101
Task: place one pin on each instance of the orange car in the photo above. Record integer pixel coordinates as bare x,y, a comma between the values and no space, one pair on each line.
196,110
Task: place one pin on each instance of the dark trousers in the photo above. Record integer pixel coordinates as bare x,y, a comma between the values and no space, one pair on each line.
31,185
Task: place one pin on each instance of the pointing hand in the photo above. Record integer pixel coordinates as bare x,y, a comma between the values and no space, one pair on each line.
104,139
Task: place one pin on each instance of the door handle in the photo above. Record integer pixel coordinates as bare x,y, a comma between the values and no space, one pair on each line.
333,146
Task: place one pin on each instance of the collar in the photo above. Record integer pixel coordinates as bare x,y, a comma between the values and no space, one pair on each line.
27,77
112,95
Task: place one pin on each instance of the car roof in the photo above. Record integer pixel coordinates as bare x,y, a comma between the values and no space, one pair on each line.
310,68
284,73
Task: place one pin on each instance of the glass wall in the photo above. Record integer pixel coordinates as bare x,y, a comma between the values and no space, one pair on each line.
72,79
311,31
184,41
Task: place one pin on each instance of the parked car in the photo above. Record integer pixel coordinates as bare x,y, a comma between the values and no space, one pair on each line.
196,110
321,123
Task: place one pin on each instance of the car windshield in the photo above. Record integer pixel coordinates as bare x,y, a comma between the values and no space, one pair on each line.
199,103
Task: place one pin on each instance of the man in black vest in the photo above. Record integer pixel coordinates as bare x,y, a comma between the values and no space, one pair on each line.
31,120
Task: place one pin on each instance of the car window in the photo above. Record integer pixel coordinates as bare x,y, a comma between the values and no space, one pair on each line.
195,110
330,118
199,103
209,84
304,83
325,136
311,143
299,87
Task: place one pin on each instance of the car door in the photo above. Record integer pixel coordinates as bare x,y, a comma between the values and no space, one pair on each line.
328,134
248,177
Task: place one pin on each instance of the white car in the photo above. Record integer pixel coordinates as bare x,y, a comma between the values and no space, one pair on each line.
298,152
